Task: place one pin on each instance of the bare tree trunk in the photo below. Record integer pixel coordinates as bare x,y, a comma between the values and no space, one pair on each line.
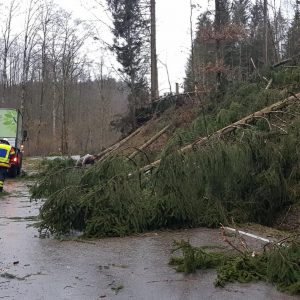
4,76
54,91
23,96
240,61
29,40
192,46
102,103
154,75
23,84
265,35
168,75
6,36
133,101
64,137
41,96
45,19
54,108
218,46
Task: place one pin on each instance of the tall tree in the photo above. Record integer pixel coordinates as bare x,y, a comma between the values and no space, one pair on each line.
154,75
240,18
69,69
46,16
192,56
257,34
202,57
7,41
131,38
222,18
29,42
293,42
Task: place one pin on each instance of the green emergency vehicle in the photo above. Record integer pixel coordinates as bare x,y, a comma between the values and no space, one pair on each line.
11,130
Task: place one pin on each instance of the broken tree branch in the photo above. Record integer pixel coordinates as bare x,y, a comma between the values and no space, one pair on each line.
269,84
226,240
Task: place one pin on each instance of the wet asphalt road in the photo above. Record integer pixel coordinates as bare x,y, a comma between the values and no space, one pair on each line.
118,268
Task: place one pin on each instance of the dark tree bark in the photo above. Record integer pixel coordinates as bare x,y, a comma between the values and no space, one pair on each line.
154,75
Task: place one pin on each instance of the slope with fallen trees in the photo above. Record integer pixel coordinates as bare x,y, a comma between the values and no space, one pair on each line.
190,188
149,133
275,108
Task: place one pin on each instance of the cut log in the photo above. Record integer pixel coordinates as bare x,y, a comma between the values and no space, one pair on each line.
153,139
276,107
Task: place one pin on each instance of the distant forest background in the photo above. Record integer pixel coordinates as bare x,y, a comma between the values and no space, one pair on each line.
89,109
69,103
241,40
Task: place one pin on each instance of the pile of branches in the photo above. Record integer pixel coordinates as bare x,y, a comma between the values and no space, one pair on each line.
277,263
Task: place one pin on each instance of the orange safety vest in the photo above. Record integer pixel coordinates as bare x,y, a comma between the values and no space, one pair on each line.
5,152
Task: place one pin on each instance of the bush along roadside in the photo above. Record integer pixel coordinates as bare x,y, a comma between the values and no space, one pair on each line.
250,177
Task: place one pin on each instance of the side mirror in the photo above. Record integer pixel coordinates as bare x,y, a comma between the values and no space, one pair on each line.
24,135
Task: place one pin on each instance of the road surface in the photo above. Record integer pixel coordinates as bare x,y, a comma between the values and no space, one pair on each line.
137,267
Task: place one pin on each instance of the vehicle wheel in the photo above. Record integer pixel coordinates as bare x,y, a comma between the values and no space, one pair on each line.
13,172
19,168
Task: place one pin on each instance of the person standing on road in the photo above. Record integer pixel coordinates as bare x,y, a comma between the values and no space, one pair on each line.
6,151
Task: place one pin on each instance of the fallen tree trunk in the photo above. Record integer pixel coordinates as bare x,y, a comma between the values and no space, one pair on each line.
280,63
232,127
102,155
105,153
188,94
149,142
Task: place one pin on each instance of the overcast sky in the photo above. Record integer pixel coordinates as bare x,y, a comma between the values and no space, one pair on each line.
173,33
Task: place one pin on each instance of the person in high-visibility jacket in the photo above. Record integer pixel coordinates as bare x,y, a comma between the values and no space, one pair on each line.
6,151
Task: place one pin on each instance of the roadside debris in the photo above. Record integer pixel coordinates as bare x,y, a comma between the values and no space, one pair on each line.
85,160
117,288
12,276
276,263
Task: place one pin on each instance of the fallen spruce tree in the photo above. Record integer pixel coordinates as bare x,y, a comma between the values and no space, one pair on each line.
250,176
